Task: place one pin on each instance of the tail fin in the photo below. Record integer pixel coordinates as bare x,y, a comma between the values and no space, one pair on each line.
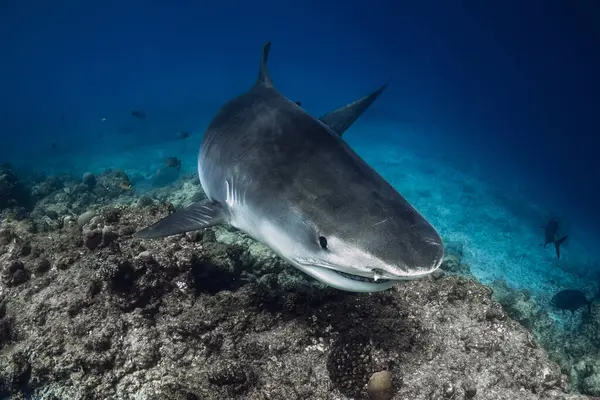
557,245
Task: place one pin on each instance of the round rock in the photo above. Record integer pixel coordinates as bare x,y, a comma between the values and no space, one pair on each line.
380,386
85,218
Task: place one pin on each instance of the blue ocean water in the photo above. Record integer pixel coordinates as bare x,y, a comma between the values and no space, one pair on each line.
489,124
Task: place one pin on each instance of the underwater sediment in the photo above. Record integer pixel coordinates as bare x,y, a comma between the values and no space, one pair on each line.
87,311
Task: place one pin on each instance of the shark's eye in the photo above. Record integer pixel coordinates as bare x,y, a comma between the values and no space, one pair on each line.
323,241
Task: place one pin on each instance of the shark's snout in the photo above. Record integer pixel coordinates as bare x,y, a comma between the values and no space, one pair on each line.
420,256
434,252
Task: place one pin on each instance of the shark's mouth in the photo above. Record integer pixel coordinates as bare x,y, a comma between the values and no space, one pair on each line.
361,278
347,281
344,280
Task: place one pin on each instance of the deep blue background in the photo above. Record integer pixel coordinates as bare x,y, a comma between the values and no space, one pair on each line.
511,84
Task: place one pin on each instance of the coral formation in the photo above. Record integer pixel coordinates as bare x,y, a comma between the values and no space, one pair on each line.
13,193
453,260
574,345
88,311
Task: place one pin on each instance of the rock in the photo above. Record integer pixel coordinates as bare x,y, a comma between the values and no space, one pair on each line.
146,257
6,333
127,230
380,386
53,215
145,201
67,220
42,265
48,187
25,249
218,316
14,273
591,384
112,215
448,390
84,218
470,389
92,239
64,262
5,237
89,179
195,236
233,376
13,192
109,235
519,305
453,264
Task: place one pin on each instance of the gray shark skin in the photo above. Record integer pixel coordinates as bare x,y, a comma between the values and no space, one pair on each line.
289,181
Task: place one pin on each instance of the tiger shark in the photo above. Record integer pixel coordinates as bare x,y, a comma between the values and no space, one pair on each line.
289,180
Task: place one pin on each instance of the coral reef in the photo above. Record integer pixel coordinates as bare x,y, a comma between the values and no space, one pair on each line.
454,262
51,203
574,344
89,311
13,193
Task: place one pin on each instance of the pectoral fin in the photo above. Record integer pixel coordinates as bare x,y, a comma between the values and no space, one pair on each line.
199,215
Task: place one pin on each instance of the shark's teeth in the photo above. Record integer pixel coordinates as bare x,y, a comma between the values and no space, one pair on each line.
377,274
376,278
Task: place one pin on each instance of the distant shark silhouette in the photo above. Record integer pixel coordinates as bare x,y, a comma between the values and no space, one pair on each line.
551,235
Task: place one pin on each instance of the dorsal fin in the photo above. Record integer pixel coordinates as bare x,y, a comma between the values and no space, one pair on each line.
340,120
263,75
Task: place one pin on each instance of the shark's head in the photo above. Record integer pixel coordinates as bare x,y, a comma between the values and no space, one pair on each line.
359,249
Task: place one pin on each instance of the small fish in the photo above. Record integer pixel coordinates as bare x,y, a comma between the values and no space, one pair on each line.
126,185
298,103
102,119
173,162
138,114
551,235
571,300
183,135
